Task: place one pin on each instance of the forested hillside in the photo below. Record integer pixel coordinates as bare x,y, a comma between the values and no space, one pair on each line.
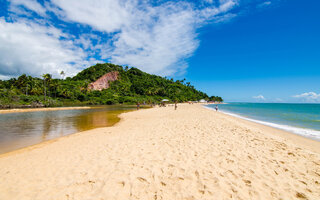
132,86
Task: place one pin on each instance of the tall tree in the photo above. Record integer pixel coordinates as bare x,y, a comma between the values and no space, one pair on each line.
46,80
62,74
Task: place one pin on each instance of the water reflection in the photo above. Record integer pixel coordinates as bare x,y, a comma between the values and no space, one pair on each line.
19,130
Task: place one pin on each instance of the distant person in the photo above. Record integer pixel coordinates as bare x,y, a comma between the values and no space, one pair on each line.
138,106
217,108
175,105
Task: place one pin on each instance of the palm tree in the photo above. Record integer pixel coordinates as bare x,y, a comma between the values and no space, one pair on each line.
46,78
62,73
54,84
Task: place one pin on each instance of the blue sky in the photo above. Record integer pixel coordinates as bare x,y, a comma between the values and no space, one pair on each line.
242,50
273,52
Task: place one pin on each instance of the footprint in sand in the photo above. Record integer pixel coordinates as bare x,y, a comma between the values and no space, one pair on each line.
247,182
142,179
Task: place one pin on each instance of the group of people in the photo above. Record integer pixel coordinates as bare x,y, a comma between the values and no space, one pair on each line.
162,104
175,106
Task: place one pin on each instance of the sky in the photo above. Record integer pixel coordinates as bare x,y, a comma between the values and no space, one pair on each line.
242,50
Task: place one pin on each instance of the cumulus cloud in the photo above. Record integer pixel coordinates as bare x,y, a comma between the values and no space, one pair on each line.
35,49
309,97
103,15
259,97
155,36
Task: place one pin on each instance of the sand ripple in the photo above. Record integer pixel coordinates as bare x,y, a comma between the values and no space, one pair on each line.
191,153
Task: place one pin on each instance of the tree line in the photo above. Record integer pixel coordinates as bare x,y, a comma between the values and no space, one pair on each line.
132,86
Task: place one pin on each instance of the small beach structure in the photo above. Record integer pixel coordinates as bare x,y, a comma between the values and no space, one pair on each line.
163,102
202,101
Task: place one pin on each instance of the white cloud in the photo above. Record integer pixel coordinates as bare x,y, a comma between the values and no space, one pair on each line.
3,77
278,100
309,97
161,47
209,1
264,4
34,49
267,3
259,97
212,12
29,4
157,38
103,15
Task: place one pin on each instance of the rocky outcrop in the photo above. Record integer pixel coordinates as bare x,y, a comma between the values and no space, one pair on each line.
104,81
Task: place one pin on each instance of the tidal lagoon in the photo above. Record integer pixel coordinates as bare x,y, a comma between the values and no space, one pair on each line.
23,129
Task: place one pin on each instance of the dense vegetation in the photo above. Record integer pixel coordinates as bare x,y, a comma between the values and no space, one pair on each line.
133,86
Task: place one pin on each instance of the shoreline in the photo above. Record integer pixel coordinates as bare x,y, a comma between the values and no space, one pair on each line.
299,118
289,129
45,142
19,110
192,152
307,142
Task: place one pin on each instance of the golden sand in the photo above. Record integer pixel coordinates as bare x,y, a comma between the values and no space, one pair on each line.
160,153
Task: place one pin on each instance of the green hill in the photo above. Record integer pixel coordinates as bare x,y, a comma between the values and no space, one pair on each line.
133,85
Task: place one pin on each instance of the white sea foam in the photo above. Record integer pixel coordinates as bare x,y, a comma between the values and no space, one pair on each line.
310,133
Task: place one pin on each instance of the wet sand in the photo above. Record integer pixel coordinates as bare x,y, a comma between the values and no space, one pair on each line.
41,109
160,153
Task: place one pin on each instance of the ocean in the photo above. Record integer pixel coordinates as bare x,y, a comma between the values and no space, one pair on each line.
301,119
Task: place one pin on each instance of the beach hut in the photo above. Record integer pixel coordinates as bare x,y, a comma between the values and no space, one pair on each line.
202,101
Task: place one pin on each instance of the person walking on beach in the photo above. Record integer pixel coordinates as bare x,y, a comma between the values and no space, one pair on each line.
175,105
217,108
138,106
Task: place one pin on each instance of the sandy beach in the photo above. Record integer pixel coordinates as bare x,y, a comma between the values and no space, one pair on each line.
41,109
160,153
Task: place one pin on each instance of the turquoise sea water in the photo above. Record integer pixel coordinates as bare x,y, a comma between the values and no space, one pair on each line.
302,119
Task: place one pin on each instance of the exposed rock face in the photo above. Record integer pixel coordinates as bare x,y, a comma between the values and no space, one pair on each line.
104,81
